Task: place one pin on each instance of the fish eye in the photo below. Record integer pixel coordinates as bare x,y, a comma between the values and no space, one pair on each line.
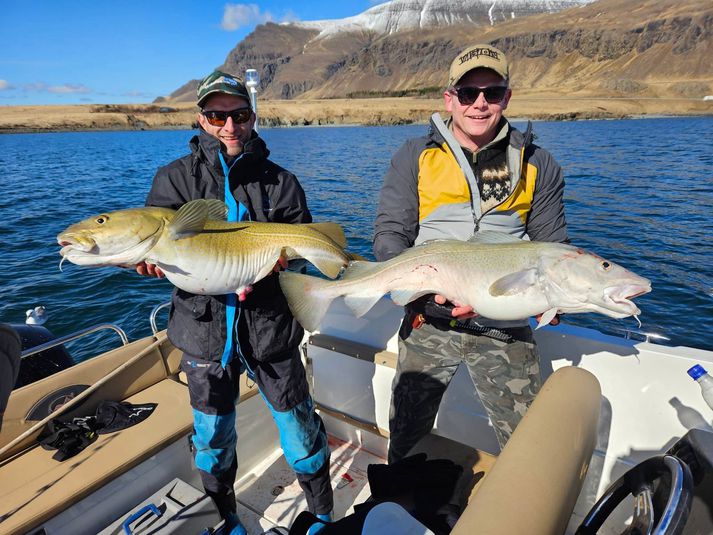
102,219
606,266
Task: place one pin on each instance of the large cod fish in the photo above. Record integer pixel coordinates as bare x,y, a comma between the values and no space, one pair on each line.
197,249
501,277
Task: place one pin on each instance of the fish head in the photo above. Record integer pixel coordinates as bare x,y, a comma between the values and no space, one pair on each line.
579,281
122,237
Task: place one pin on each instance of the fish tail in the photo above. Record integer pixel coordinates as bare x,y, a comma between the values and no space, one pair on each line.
306,298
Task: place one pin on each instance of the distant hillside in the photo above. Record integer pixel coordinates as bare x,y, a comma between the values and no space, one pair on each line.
610,47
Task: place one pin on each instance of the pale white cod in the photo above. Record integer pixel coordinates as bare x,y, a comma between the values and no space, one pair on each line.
501,277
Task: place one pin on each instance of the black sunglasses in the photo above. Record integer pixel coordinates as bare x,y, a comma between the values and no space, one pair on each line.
467,95
219,118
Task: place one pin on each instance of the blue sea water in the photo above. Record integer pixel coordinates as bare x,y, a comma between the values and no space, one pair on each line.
639,192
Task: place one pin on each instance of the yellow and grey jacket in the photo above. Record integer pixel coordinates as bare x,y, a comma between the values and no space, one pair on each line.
432,190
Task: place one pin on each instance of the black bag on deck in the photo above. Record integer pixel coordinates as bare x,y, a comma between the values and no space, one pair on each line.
71,437
420,486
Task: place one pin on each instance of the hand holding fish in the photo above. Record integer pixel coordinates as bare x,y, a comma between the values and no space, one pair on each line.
460,312
149,270
553,321
280,265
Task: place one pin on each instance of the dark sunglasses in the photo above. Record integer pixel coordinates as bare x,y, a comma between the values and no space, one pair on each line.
219,118
467,95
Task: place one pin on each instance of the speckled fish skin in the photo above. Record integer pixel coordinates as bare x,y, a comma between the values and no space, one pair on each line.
215,258
508,280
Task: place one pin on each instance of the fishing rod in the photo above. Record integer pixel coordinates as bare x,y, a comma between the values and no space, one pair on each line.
252,79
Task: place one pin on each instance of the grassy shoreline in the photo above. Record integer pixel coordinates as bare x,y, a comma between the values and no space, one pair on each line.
329,112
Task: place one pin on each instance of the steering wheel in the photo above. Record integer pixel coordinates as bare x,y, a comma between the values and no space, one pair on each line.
662,487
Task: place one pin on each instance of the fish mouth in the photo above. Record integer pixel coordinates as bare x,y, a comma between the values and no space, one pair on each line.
71,243
619,297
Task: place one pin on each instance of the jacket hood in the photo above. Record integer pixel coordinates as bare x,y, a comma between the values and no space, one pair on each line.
518,140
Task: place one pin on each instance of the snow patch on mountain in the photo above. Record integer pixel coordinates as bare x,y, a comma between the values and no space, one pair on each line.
399,15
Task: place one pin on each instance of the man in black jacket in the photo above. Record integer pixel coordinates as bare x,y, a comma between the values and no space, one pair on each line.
255,331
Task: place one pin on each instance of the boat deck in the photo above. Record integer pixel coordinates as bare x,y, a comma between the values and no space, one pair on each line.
270,495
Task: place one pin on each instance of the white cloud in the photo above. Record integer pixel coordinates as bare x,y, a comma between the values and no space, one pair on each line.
65,89
68,88
238,15
4,84
138,94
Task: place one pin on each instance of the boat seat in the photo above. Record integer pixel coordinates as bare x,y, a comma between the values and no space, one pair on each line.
31,403
35,487
535,481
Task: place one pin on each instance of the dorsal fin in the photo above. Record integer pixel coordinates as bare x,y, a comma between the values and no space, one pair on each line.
189,219
436,240
493,236
360,268
333,231
217,209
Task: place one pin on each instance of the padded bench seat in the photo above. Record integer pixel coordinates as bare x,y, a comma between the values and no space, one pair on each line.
34,487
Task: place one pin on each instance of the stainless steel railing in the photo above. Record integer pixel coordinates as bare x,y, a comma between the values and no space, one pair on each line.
635,334
74,336
154,312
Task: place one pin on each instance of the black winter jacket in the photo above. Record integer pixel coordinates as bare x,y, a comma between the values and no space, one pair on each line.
197,323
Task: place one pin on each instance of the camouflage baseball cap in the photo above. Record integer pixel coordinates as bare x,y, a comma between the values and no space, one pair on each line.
478,56
220,82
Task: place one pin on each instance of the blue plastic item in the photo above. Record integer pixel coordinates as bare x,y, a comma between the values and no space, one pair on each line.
696,371
138,514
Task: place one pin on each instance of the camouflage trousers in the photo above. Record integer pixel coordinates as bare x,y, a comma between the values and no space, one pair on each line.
506,376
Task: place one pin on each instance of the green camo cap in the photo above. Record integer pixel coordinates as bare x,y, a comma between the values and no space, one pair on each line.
220,82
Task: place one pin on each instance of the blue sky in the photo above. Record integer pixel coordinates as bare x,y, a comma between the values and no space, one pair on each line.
129,51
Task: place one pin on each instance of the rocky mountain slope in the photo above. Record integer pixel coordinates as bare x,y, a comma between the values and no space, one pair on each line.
641,48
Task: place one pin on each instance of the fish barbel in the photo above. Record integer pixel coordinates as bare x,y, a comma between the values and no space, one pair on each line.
501,277
197,249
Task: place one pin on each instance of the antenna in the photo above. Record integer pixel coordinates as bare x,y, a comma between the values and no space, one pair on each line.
252,79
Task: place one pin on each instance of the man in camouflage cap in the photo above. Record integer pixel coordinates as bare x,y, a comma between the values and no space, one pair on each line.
472,172
222,336
220,82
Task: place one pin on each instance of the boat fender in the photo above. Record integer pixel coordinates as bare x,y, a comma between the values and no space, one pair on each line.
43,364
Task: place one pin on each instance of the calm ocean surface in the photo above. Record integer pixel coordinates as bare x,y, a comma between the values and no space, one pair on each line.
639,192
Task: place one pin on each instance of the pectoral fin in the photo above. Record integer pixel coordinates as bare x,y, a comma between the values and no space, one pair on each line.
515,283
547,317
